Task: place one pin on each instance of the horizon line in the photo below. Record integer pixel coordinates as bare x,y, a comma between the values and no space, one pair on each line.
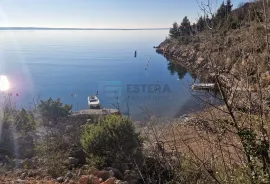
51,28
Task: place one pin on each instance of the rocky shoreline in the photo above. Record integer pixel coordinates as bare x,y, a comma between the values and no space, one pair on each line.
189,56
227,54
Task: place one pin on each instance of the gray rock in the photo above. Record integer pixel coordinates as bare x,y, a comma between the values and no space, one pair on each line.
128,177
26,163
134,174
23,176
72,161
18,172
116,173
127,172
121,182
32,173
19,181
122,167
134,182
77,153
69,128
69,175
131,176
60,179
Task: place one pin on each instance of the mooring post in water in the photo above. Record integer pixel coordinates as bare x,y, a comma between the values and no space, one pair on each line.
135,54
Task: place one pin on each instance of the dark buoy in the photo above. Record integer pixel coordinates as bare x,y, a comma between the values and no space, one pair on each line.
135,54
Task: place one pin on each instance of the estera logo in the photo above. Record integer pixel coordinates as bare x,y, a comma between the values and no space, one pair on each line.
110,88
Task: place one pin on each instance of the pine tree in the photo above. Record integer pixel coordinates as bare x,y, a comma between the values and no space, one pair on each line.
174,30
185,27
229,6
193,28
220,15
207,20
200,24
221,12
185,23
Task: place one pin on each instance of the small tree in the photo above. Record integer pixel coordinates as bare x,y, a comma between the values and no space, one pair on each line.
52,110
200,24
174,30
193,28
221,13
229,6
113,139
185,27
25,122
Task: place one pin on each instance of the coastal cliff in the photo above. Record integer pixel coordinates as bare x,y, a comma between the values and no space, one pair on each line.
240,51
231,52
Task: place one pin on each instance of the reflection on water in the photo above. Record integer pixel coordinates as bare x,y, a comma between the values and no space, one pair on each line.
173,68
181,71
197,98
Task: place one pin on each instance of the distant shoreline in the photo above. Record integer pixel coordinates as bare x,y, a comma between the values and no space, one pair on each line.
80,29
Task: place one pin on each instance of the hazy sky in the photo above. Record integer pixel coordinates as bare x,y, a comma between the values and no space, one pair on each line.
98,13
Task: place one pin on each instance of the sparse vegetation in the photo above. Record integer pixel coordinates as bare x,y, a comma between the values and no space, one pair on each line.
54,109
234,52
112,139
227,142
25,122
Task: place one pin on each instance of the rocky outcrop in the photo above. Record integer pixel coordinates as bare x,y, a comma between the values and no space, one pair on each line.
109,176
189,56
231,53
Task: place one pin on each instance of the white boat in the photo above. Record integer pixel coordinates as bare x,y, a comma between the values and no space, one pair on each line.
202,86
93,102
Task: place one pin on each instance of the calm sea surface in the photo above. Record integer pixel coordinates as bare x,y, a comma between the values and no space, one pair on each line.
71,65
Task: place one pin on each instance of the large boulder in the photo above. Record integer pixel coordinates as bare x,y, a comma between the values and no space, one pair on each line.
110,181
85,179
122,167
116,173
104,175
79,157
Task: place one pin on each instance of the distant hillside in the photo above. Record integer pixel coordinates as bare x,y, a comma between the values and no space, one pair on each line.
47,28
230,43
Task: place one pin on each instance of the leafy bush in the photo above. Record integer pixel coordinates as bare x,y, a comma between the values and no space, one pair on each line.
185,40
52,154
7,147
25,122
52,110
112,139
18,128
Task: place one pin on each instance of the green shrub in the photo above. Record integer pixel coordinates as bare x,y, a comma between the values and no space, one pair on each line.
25,122
185,40
112,139
53,109
7,147
52,154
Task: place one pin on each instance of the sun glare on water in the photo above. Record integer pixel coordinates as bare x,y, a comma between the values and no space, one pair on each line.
4,83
